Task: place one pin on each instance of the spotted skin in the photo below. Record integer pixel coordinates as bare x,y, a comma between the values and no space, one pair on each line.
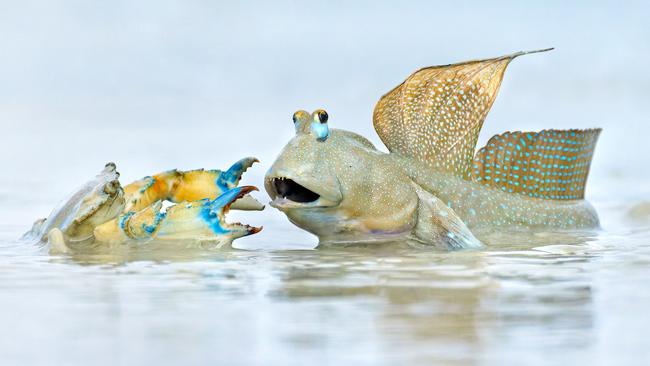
436,114
367,195
431,188
551,164
484,207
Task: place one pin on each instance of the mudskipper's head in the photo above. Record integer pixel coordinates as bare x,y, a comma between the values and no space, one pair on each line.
304,175
333,183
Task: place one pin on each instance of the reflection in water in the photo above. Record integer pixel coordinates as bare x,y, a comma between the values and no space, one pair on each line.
450,306
535,297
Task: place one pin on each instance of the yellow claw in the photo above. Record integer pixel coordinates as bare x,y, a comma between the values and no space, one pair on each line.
187,186
131,225
202,220
173,185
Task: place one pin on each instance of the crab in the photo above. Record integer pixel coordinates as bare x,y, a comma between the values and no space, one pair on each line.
102,211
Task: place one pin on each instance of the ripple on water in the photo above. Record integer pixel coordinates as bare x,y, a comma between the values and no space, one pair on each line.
554,295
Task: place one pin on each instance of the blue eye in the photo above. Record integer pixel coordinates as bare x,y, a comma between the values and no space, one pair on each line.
321,130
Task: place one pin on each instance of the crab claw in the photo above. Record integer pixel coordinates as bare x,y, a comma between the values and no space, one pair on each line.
214,213
188,186
203,220
230,178
247,203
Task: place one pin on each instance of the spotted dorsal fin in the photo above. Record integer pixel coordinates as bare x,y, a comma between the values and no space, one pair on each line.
551,164
436,114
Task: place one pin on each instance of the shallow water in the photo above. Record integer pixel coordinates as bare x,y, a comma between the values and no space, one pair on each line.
540,298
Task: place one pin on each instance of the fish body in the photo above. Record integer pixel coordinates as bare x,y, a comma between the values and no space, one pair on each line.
485,207
432,187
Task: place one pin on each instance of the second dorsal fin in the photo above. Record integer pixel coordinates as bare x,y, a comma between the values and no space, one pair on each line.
436,114
551,164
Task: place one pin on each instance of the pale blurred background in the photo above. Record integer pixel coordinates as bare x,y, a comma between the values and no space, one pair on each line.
154,85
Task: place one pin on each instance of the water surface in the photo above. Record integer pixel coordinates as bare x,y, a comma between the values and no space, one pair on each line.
542,298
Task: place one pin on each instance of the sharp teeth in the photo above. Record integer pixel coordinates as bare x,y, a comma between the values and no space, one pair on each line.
279,180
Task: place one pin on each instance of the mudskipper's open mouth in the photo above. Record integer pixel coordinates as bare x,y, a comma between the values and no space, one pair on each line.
289,189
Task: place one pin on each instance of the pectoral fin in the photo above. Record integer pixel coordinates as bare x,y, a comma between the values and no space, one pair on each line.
439,225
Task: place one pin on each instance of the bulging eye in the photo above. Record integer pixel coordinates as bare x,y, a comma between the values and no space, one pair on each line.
319,125
295,117
322,116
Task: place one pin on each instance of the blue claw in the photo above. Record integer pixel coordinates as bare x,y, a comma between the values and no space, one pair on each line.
230,178
212,212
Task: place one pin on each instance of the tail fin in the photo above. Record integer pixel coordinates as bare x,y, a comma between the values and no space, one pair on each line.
551,164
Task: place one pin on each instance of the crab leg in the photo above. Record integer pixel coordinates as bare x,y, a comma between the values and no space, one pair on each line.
202,220
193,185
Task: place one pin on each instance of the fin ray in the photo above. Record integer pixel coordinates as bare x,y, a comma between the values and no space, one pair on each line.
550,164
436,114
